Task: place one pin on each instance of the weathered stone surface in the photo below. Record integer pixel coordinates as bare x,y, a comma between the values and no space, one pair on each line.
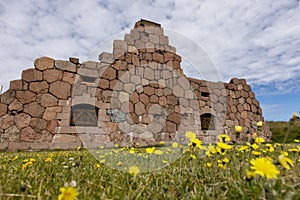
38,124
50,113
3,109
88,72
28,135
106,58
39,87
52,75
65,138
123,97
22,120
15,106
65,66
30,75
148,90
51,125
17,85
44,136
155,109
7,121
47,100
139,108
44,63
60,89
109,74
12,134
68,77
34,109
25,96
7,97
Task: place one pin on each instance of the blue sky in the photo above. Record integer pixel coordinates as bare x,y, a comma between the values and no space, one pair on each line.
256,40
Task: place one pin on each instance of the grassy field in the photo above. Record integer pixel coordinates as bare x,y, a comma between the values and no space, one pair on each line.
285,132
220,171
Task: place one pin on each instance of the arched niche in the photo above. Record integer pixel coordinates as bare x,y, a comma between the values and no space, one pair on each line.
84,115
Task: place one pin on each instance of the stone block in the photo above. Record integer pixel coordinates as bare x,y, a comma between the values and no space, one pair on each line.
157,57
68,77
14,146
7,121
65,66
34,109
7,97
22,120
3,109
27,135
106,58
89,65
12,134
52,75
60,89
74,60
163,40
109,73
43,145
39,87
47,100
50,113
16,85
32,74
25,96
88,72
129,39
44,63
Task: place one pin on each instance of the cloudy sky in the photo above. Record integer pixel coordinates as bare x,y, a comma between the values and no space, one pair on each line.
256,40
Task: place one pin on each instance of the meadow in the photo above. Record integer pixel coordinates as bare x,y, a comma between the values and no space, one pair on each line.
169,171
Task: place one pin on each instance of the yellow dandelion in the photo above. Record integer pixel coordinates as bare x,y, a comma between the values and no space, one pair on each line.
259,124
238,129
224,145
270,148
250,175
48,159
134,170
221,166
192,156
285,162
295,140
256,153
164,161
16,157
98,165
158,152
224,138
259,140
68,193
162,143
174,145
78,148
264,167
150,150
102,161
208,164
190,135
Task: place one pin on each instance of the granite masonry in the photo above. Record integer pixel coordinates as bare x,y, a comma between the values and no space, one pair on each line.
138,94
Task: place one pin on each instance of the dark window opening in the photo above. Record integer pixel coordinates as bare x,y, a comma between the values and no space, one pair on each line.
207,121
88,79
84,115
205,94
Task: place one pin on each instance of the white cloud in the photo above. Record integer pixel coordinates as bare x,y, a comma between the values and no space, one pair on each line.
256,40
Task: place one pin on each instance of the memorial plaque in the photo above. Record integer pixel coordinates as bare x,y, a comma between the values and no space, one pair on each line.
84,115
207,121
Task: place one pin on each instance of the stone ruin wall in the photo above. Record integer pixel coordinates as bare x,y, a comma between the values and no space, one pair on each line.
136,94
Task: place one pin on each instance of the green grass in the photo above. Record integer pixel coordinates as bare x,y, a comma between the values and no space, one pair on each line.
285,132
182,178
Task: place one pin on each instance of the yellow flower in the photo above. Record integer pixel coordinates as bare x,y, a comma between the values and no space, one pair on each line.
254,135
192,156
224,138
285,162
162,142
208,164
174,145
264,167
68,193
16,157
102,161
250,175
158,152
296,140
134,170
256,153
190,135
150,150
98,165
294,115
259,140
224,145
259,124
78,148
195,142
238,129
131,151
48,159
